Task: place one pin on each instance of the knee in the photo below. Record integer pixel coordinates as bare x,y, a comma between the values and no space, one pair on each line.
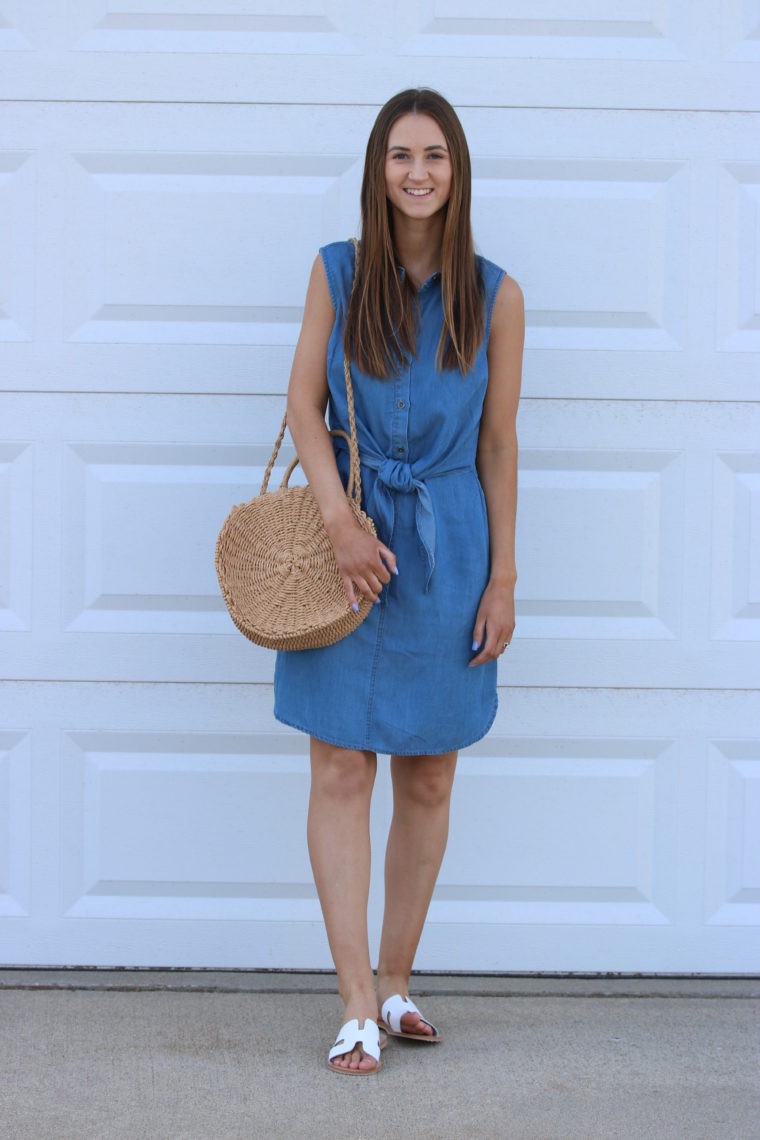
426,783
342,773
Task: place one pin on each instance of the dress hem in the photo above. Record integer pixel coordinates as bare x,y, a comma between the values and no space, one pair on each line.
393,751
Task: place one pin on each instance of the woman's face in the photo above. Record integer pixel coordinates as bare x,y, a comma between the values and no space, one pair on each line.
417,167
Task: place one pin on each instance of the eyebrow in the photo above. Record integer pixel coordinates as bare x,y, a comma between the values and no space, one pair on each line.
433,146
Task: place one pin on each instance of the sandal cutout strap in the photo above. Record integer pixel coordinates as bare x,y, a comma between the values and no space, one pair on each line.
349,1036
394,1008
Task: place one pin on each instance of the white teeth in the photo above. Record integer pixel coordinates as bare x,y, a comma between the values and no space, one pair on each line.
417,193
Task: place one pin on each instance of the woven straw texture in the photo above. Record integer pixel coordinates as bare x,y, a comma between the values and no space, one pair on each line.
278,573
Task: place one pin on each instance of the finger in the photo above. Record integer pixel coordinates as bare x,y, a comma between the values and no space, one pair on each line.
489,651
350,594
382,572
365,587
389,558
478,633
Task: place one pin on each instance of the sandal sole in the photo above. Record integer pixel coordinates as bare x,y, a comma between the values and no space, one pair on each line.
429,1039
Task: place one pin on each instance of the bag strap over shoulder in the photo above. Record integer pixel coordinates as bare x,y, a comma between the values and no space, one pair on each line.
355,480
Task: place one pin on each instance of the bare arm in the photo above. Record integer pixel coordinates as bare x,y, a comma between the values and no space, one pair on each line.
362,559
497,469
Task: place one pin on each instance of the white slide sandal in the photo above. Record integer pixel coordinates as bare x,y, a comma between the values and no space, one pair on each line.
349,1036
392,1012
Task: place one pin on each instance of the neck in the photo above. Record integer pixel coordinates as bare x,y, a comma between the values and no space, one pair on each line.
418,244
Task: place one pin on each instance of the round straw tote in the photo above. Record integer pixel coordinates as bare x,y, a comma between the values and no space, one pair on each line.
276,565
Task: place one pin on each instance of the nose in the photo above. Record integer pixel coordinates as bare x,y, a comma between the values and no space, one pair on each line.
418,173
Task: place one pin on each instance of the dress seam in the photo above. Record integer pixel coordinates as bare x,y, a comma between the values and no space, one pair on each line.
331,283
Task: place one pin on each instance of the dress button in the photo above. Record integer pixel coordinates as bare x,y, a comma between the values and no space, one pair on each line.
400,450
401,404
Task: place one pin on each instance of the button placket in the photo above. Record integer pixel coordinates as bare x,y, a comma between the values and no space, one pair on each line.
400,420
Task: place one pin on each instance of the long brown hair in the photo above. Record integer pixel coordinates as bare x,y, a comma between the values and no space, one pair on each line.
380,322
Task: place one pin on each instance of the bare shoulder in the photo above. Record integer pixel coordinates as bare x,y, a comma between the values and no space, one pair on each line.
505,353
509,307
318,300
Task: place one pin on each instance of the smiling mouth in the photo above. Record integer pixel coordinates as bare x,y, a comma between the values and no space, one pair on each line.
418,193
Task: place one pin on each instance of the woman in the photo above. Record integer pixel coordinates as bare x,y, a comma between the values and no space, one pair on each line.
435,338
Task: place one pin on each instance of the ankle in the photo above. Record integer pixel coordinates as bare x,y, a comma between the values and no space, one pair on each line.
357,995
389,983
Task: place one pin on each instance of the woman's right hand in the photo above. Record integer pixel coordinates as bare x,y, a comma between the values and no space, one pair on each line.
363,560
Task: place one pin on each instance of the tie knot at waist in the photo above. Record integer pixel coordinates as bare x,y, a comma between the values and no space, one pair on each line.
396,475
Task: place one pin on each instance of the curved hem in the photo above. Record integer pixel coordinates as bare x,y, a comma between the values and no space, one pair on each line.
393,751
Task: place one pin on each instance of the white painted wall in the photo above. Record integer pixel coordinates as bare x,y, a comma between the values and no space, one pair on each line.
167,173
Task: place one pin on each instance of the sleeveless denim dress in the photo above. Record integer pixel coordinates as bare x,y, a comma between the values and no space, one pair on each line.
400,683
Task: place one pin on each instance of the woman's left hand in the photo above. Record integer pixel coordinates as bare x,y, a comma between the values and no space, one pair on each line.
495,622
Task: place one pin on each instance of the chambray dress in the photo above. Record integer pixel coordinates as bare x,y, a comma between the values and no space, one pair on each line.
400,683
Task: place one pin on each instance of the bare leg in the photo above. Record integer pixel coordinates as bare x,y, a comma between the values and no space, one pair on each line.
416,844
338,835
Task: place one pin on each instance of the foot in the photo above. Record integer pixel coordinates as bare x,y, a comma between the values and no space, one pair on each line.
410,1022
357,1058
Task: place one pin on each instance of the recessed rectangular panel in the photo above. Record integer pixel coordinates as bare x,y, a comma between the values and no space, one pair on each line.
732,872
738,286
291,27
16,535
622,29
15,824
591,218
557,830
18,223
598,534
735,595
141,523
188,248
169,825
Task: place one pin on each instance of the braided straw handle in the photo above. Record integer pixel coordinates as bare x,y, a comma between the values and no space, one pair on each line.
355,479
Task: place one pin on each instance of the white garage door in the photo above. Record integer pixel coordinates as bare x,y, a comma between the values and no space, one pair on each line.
167,172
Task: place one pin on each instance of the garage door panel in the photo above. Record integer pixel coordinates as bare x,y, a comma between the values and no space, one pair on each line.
16,809
179,825
169,172
738,312
613,55
615,795
736,547
624,29
139,533
204,221
133,870
16,534
209,262
158,269
292,27
617,541
18,210
732,887
601,558
594,217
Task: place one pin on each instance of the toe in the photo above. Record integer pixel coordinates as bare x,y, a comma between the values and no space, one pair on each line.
413,1023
